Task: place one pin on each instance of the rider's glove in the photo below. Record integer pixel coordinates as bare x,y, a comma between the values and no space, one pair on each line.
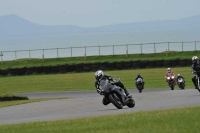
98,90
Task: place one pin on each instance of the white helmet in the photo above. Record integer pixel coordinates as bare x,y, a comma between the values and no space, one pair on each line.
178,75
99,75
169,69
195,59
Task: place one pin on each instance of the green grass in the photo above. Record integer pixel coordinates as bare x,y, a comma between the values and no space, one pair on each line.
183,120
20,63
154,78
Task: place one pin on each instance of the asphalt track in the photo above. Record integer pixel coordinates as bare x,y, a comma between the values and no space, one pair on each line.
88,103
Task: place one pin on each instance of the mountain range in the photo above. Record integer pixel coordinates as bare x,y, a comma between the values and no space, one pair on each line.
15,26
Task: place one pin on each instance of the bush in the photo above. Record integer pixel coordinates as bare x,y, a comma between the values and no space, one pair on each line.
12,98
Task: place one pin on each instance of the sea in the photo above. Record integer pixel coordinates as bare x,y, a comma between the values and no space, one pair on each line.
15,48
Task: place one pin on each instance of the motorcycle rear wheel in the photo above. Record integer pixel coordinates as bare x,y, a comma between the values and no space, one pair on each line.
131,104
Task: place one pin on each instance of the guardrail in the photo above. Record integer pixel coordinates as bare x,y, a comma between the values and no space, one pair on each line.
100,50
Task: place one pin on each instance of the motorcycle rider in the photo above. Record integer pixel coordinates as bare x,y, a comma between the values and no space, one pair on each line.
169,72
179,76
139,76
99,75
195,69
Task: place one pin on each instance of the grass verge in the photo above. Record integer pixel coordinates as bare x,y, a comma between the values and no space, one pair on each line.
154,78
183,120
18,102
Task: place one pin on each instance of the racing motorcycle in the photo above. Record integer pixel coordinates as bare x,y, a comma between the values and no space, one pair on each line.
115,94
140,84
181,83
171,81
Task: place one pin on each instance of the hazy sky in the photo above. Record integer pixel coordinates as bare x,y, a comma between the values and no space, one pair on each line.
92,13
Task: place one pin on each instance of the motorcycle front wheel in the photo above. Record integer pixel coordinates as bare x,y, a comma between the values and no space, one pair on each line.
182,86
140,87
115,100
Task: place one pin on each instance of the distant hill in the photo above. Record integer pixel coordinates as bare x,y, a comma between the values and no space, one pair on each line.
14,26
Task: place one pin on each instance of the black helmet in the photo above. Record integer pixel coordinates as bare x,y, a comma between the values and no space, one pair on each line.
139,76
99,75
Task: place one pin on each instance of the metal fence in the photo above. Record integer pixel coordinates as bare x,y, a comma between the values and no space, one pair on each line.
100,50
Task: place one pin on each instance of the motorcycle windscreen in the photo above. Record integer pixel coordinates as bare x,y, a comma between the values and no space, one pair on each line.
169,74
139,80
105,85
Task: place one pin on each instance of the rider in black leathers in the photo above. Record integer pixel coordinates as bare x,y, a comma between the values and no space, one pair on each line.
139,76
99,75
179,76
195,69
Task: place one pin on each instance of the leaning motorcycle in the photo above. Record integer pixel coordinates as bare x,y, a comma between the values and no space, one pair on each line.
181,83
140,84
115,94
171,81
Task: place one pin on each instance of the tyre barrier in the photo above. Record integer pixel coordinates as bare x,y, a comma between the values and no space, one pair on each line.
4,72
46,69
103,66
183,62
22,71
62,68
70,68
160,63
128,64
167,63
87,67
151,63
111,65
13,71
96,66
174,62
136,64
189,62
30,70
143,64
54,69
120,65
79,67
39,69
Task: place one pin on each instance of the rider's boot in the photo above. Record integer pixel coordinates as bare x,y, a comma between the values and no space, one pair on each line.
127,94
196,87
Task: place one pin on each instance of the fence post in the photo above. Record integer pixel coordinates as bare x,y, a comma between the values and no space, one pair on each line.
126,50
113,50
15,55
43,55
85,53
1,57
182,46
71,51
99,51
154,47
29,54
195,46
141,48
57,53
168,46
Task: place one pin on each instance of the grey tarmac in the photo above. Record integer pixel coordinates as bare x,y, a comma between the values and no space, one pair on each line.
89,103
